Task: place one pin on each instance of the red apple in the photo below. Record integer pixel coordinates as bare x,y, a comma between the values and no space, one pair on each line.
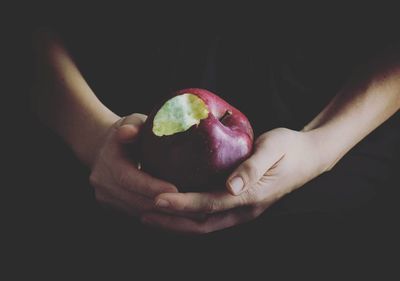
194,140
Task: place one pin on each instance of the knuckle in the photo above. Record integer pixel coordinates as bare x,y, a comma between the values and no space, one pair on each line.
261,140
251,172
181,204
213,206
138,115
275,138
282,130
250,196
123,180
285,134
94,180
137,118
243,200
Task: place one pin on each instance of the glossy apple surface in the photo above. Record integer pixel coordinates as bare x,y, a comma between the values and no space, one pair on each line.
194,139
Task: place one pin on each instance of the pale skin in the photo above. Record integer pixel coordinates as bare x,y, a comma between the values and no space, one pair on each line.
283,159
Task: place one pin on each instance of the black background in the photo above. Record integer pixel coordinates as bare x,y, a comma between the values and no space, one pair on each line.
53,216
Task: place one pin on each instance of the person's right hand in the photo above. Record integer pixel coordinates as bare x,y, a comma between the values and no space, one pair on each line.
116,178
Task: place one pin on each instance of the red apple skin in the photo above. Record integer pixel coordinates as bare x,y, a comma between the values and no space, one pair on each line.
200,158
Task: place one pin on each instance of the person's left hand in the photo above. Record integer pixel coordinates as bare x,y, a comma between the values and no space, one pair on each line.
283,160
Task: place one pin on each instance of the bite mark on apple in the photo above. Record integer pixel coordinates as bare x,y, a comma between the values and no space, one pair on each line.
178,114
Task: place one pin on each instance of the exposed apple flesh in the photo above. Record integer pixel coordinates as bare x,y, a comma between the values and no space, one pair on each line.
179,114
195,139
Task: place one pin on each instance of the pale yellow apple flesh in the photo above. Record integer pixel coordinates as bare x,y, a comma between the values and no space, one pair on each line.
178,114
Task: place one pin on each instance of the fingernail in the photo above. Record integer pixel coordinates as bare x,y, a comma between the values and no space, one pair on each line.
236,184
161,203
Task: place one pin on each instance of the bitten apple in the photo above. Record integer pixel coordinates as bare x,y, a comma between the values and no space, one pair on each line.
194,139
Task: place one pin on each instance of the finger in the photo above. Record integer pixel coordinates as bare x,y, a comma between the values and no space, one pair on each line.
189,215
136,119
140,182
207,202
129,198
213,223
127,133
251,170
134,204
129,127
141,203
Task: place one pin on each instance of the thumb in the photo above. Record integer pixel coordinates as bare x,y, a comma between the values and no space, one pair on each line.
251,170
136,119
129,127
127,133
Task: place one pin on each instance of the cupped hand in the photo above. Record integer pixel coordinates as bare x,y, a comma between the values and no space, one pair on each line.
283,160
117,179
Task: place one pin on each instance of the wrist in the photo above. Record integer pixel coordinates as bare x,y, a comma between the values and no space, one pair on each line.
87,144
328,149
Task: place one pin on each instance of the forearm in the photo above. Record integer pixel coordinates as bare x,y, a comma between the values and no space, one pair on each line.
65,102
363,104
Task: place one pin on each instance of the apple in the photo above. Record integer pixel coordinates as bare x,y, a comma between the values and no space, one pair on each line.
194,139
